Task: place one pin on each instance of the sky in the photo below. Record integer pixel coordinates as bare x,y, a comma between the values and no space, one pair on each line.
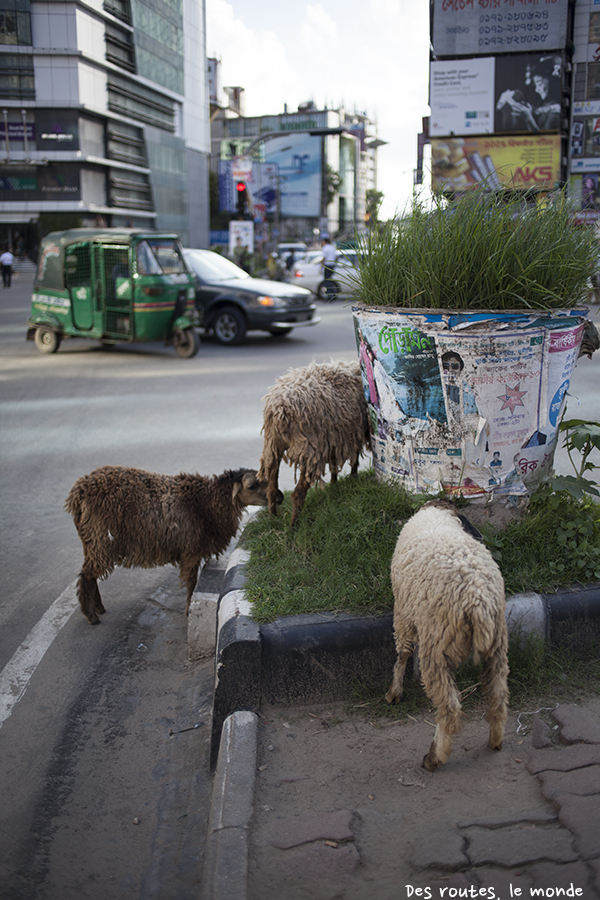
366,55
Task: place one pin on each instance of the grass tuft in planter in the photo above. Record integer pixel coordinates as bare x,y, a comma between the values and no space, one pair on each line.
484,251
338,558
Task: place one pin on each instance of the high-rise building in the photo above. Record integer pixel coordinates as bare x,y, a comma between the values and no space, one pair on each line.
104,117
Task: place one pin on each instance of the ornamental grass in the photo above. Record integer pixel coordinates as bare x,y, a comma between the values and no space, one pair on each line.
482,251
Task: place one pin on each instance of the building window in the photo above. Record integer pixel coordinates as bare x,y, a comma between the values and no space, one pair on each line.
119,47
15,22
120,9
126,143
132,193
593,82
139,102
16,77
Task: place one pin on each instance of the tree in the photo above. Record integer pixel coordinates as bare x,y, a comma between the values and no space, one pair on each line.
374,199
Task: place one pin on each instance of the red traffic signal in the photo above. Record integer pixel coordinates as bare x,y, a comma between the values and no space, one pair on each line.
240,186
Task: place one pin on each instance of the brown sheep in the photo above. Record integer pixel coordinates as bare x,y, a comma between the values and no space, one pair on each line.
314,416
449,600
133,518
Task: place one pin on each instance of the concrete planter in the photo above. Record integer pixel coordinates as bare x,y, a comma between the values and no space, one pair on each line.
468,402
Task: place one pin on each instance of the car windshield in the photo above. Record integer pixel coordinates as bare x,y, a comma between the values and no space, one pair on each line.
212,267
159,256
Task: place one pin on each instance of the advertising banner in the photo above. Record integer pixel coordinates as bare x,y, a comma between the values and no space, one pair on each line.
519,162
241,237
299,159
476,27
52,182
461,96
489,95
468,402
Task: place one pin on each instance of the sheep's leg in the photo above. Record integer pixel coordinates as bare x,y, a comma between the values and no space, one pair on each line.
299,496
440,687
98,604
272,475
494,682
189,577
354,469
405,648
89,597
333,468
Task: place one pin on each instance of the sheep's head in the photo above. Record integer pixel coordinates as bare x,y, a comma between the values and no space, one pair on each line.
249,490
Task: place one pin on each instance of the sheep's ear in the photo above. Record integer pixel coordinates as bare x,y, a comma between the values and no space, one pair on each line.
237,486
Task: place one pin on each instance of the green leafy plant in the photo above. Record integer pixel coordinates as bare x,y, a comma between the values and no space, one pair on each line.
582,436
484,251
569,499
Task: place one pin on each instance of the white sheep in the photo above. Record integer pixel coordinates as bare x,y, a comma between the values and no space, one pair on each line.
133,518
449,600
314,416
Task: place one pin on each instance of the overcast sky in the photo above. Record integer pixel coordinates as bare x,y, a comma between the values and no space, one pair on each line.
368,55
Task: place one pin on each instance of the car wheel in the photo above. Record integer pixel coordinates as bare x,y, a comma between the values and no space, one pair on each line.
328,289
280,332
229,326
46,340
186,343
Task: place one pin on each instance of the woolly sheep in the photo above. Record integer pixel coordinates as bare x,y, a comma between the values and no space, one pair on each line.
449,599
133,518
314,416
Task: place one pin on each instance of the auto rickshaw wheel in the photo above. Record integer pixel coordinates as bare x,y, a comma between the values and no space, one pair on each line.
229,326
46,340
186,342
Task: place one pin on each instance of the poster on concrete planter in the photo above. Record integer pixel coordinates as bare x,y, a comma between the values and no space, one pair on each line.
470,403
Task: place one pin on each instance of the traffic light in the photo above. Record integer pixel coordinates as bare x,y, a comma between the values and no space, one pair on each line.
240,188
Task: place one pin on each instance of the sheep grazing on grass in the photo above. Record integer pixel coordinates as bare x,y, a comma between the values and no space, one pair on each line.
449,600
132,518
314,417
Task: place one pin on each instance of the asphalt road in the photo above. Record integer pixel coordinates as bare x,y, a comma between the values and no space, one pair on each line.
104,777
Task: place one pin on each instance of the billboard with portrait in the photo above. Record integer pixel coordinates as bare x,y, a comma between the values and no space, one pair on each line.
503,95
518,162
480,27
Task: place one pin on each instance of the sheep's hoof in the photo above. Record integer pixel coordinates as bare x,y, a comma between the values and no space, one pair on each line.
94,621
391,697
493,746
430,762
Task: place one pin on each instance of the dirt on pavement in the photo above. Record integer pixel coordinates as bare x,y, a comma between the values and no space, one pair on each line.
343,808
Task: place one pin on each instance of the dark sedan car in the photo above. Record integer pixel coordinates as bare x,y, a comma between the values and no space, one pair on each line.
232,303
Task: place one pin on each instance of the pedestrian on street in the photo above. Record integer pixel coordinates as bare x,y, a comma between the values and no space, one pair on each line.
6,261
329,257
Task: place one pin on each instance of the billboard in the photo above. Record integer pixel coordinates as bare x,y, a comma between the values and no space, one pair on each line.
489,95
478,27
298,156
518,162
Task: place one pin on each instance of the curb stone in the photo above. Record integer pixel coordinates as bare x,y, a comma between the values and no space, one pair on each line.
226,855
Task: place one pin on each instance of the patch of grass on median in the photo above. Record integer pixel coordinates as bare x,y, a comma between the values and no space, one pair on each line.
338,557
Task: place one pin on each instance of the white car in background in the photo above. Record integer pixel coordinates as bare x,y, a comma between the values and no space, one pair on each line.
309,274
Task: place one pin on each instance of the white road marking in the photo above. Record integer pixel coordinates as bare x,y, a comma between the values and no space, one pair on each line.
16,674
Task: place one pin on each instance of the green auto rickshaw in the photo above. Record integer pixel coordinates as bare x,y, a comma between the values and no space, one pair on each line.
115,285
